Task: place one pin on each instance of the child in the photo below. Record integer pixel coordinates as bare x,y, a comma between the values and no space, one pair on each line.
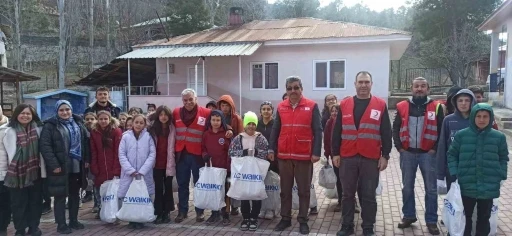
462,102
90,121
134,111
327,151
137,155
129,124
242,145
122,119
479,96
163,132
215,149
478,158
105,139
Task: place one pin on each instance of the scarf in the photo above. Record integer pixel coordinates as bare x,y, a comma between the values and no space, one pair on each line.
188,117
24,167
75,145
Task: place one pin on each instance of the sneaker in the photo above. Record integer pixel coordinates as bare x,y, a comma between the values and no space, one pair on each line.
346,230
244,226
46,209
432,229
139,225
199,217
282,225
304,228
64,229
368,232
337,208
181,216
234,211
76,225
35,232
313,211
253,225
166,219
158,220
95,209
213,219
406,223
270,215
225,219
262,215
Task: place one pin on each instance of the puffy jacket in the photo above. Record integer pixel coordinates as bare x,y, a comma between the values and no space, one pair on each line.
478,158
105,160
136,155
56,154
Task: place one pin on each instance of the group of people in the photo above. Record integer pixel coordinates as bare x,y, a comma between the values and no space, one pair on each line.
451,141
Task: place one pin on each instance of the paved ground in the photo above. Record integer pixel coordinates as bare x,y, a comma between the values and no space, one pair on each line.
326,222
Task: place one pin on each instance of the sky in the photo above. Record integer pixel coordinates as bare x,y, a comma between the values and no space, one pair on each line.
377,5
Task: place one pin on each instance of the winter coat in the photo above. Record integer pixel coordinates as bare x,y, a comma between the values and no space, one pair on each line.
329,126
451,125
111,107
478,158
236,121
136,155
56,154
170,169
8,140
105,160
4,120
216,146
236,148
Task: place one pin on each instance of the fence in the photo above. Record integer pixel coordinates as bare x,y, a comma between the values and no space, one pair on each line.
401,78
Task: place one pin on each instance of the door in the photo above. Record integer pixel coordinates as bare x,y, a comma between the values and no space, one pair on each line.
191,83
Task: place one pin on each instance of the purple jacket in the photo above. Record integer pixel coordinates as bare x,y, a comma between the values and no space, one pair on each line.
136,155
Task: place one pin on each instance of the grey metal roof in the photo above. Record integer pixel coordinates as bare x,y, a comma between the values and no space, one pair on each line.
199,50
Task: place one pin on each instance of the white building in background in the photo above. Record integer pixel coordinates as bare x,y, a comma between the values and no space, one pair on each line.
3,52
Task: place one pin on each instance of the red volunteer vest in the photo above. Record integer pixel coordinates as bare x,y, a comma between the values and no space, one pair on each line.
429,131
296,138
190,137
366,140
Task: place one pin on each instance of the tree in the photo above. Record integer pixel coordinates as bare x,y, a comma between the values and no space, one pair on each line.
283,9
448,35
187,16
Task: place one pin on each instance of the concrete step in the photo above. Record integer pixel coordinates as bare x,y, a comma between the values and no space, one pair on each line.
503,117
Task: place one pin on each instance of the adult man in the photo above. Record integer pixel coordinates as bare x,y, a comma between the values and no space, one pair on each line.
360,148
298,130
416,128
103,103
190,122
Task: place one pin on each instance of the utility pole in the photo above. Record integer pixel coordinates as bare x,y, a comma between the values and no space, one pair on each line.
18,37
108,30
62,44
91,33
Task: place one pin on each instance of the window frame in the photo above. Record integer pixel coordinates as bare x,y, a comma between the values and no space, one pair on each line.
263,74
328,72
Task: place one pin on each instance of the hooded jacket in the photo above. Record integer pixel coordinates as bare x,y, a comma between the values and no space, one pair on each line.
451,125
234,120
111,107
479,157
215,144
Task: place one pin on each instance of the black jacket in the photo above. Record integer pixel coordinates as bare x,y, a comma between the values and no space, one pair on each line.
266,130
111,107
56,155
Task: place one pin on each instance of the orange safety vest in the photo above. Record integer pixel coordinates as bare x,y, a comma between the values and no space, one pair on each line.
190,137
429,132
365,141
296,137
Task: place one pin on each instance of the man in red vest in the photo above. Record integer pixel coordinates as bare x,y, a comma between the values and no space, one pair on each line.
416,129
190,122
298,131
361,143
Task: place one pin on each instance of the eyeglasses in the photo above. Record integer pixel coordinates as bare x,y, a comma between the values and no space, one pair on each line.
294,88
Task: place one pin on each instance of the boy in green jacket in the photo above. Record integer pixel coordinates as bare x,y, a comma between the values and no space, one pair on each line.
478,158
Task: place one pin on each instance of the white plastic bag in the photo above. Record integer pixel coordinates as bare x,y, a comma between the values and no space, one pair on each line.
247,178
327,177
109,205
273,188
295,197
453,211
209,190
137,205
441,187
493,220
331,193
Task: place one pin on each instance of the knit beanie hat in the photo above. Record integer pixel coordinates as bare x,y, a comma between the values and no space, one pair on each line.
250,117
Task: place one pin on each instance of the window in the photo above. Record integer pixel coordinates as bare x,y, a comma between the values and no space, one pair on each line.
264,76
329,74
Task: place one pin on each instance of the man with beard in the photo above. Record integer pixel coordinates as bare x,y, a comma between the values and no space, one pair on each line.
103,103
361,143
416,129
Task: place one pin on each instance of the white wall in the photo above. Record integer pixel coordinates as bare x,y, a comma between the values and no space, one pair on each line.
508,66
222,72
170,101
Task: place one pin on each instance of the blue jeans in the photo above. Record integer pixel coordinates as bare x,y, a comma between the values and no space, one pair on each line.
186,164
409,163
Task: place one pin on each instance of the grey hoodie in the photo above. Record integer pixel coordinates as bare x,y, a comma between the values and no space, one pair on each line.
451,124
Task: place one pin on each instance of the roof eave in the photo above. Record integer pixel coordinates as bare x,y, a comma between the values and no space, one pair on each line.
489,23
345,40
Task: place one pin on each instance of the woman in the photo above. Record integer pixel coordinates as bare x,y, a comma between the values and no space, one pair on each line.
241,146
105,139
64,145
137,155
21,171
163,132
327,152
329,101
265,124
